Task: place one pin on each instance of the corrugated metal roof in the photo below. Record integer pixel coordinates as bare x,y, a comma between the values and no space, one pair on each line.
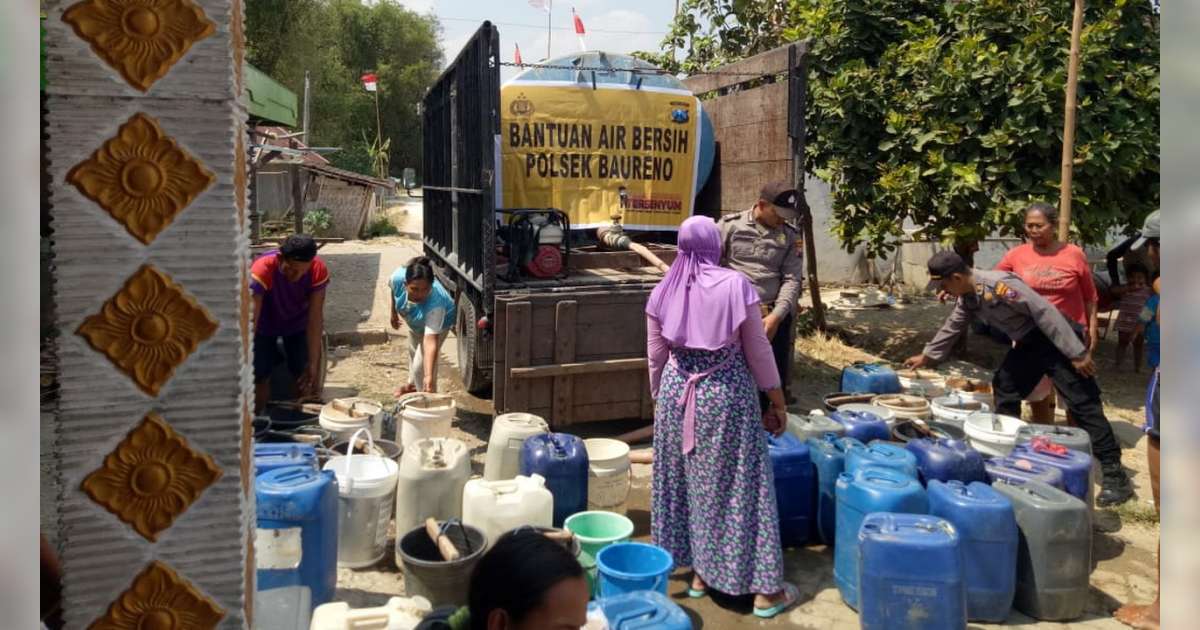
350,176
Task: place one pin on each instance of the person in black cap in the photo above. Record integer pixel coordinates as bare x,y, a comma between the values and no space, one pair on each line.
762,244
1045,345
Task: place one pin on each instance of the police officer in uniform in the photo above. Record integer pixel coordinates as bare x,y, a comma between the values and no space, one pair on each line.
1045,345
761,244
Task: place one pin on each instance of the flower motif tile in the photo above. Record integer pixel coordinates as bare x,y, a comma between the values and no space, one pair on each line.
141,177
159,599
149,328
151,477
141,39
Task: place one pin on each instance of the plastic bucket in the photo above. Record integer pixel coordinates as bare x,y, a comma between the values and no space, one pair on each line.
608,474
903,405
342,425
633,566
386,448
423,416
596,530
427,575
366,490
956,407
992,434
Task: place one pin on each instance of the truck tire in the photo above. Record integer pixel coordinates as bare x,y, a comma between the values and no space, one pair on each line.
477,380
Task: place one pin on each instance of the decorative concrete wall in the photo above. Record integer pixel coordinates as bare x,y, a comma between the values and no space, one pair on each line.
152,432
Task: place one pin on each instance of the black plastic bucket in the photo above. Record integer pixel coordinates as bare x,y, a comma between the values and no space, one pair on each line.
428,575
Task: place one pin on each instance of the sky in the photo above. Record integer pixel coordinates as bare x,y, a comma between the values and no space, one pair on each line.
618,26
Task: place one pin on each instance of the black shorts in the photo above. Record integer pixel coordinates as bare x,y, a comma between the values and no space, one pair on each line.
267,354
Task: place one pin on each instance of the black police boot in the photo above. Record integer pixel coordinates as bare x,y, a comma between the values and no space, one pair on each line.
1114,486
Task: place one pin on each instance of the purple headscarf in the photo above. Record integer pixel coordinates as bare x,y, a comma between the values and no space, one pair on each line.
699,304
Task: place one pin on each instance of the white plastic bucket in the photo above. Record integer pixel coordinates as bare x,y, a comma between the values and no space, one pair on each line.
509,430
399,613
366,489
364,413
608,474
424,415
885,414
991,433
970,389
903,405
955,408
923,383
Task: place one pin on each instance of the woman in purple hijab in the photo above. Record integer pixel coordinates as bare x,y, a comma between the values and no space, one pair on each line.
713,500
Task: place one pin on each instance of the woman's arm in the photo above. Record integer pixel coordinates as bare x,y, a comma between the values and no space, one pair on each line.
758,355
657,352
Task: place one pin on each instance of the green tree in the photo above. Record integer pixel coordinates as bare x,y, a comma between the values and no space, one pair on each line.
949,114
336,41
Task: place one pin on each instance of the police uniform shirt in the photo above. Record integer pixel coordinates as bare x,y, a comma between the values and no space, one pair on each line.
1002,300
771,258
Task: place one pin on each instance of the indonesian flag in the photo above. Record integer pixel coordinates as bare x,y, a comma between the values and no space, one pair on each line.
369,81
579,32
517,54
540,4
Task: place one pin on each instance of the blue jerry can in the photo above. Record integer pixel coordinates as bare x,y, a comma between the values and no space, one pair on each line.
863,426
868,490
795,488
1076,466
911,574
562,460
1018,470
884,455
270,456
869,377
642,610
987,531
295,544
945,459
829,458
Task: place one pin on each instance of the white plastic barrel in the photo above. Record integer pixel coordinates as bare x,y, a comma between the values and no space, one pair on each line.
496,507
509,431
432,474
991,433
424,415
342,417
608,474
366,489
399,613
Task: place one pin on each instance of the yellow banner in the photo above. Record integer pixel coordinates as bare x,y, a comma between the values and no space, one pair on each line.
576,149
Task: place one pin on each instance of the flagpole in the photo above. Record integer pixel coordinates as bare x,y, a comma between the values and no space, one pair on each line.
549,7
378,127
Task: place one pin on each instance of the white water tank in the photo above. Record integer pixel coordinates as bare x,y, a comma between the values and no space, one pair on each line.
495,507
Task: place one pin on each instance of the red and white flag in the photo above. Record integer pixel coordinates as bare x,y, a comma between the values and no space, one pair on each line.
579,32
540,4
517,54
369,81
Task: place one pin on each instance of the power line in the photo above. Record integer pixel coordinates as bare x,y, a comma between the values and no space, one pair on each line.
647,71
542,27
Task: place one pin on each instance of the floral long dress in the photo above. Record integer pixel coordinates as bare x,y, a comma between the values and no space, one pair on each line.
714,508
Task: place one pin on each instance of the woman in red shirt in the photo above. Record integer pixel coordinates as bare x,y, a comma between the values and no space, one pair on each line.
1060,273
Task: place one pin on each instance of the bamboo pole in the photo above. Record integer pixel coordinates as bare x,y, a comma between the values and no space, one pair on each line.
1068,151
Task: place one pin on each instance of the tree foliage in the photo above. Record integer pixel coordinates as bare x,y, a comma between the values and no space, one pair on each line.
950,114
336,41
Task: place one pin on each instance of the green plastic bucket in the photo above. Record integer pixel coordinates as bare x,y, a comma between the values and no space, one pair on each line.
596,530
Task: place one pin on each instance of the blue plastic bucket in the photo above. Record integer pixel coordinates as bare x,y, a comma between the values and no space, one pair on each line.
633,566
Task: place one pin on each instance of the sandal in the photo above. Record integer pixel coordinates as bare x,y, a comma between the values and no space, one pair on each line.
696,593
791,596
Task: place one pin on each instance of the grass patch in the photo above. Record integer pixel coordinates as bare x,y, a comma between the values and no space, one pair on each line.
382,226
1135,511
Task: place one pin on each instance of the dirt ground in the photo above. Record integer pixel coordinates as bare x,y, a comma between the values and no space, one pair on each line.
1124,543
